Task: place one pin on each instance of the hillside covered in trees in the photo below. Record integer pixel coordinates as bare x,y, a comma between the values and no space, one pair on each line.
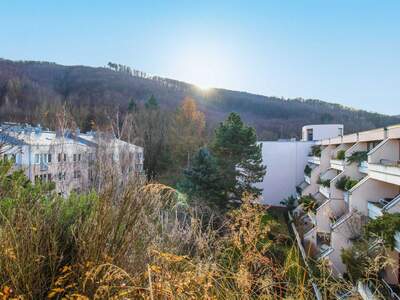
34,91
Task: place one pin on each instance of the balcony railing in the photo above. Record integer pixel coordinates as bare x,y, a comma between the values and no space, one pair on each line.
314,160
387,171
346,197
324,191
337,164
363,168
397,241
324,251
374,210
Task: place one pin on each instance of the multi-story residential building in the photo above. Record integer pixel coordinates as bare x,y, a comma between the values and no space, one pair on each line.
352,179
70,159
286,159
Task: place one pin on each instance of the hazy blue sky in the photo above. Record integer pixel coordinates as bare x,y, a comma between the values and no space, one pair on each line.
344,51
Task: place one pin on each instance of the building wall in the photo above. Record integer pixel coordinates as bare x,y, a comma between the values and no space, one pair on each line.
323,131
285,161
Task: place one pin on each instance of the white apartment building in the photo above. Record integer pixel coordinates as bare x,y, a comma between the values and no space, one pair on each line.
352,179
69,159
286,159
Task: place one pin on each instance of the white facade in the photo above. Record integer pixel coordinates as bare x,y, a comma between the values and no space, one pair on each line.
320,132
371,161
285,161
69,160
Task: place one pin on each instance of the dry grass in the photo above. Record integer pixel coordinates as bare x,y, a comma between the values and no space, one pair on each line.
140,241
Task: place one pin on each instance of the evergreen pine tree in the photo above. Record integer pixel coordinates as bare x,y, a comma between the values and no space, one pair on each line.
239,157
202,179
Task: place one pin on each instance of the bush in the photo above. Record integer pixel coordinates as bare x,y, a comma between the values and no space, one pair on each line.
384,227
358,157
307,170
325,183
350,183
309,203
316,150
341,155
345,183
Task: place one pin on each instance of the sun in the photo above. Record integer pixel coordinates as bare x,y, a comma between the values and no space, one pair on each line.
203,87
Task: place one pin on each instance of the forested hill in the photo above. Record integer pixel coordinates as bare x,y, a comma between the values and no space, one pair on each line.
33,91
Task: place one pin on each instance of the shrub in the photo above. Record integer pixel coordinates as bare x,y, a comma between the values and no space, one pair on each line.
289,203
384,227
350,183
345,183
364,263
309,203
325,183
358,157
341,155
307,170
316,150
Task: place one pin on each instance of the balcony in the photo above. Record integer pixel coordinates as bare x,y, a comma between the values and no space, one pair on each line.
337,221
346,197
363,167
386,170
337,164
324,191
324,244
311,215
374,210
397,239
377,208
43,167
314,160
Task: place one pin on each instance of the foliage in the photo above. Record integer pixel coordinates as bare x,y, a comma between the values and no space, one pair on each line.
307,170
289,202
384,227
358,157
239,157
341,183
324,182
363,262
350,183
316,151
345,183
341,155
309,203
33,91
187,132
202,180
120,244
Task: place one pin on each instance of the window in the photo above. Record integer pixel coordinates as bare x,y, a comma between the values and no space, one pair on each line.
79,157
59,157
340,131
310,135
77,174
49,158
37,158
49,177
74,157
65,157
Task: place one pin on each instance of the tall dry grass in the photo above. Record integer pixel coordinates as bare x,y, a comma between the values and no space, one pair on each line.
140,241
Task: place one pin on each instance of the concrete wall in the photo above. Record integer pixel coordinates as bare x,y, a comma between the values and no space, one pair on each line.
285,161
370,190
323,131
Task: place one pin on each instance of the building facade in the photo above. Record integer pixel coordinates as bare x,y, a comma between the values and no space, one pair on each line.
352,179
286,160
69,159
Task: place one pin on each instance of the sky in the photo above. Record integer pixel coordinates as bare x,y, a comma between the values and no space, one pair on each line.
341,51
